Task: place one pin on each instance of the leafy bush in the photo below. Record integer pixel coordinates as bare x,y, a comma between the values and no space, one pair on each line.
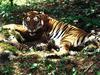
82,13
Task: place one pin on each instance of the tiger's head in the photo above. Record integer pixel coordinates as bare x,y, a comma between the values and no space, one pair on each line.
34,20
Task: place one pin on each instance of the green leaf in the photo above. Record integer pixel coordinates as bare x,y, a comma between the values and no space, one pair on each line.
35,65
98,73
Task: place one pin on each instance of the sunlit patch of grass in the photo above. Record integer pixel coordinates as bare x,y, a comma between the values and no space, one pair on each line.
30,65
66,66
4,32
6,46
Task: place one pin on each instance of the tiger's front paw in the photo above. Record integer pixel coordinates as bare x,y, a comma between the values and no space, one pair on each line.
61,52
41,46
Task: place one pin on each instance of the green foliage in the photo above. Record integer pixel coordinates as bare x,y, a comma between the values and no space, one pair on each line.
87,14
4,32
8,47
82,13
6,12
98,73
6,70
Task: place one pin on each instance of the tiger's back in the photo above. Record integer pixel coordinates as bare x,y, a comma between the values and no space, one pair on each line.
66,33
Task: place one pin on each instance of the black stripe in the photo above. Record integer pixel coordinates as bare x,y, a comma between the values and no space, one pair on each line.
64,28
58,29
54,29
67,30
78,40
83,39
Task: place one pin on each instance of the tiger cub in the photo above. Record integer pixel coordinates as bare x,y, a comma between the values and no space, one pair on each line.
65,36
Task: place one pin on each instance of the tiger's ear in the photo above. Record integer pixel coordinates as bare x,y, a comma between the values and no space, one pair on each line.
41,12
24,13
93,31
28,13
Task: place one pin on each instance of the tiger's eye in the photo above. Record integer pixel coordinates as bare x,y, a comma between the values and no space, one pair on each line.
35,19
28,18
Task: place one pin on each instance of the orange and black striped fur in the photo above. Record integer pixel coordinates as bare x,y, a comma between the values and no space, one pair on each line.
64,35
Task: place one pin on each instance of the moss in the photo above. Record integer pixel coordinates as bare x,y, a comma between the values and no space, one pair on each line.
6,46
4,32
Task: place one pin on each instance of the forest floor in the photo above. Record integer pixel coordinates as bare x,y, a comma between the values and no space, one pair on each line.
34,62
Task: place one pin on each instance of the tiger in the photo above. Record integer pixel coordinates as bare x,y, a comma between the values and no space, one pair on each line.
64,35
